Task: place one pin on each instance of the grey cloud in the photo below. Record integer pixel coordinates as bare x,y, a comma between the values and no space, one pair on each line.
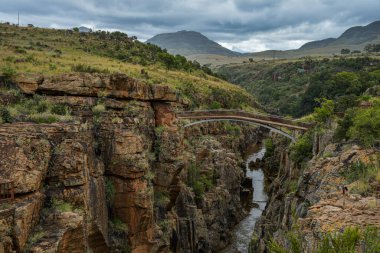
232,22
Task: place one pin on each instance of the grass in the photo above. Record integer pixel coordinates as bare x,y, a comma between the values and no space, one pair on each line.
98,109
36,109
199,183
360,175
348,241
4,206
61,205
50,52
161,198
119,226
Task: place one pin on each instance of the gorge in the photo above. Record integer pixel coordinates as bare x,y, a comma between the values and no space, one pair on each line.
121,175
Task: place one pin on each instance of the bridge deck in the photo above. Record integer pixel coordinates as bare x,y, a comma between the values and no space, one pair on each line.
245,116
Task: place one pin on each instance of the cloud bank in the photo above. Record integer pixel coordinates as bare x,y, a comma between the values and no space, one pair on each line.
242,25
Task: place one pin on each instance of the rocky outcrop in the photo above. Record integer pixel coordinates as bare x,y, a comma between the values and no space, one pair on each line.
73,179
118,180
95,85
311,199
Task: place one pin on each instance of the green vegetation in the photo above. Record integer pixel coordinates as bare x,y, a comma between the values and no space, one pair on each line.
161,198
119,226
302,149
269,148
36,109
98,109
110,190
61,205
232,128
294,87
361,176
361,124
199,183
4,206
346,242
88,69
372,48
34,237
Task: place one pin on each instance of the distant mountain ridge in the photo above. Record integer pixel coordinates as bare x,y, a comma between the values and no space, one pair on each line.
189,43
353,36
196,46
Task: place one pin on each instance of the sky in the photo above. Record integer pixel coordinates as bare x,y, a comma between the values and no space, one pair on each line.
240,25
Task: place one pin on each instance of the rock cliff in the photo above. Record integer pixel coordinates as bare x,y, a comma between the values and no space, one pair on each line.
308,201
121,175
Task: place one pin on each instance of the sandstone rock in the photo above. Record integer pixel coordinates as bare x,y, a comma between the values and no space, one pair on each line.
28,83
24,159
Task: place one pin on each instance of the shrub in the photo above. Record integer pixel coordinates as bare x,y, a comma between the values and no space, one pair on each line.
344,124
302,149
366,125
340,242
41,118
199,190
119,226
325,111
8,73
232,129
60,109
269,148
61,205
345,242
199,183
5,115
161,198
371,239
37,235
215,105
109,190
98,109
88,69
362,174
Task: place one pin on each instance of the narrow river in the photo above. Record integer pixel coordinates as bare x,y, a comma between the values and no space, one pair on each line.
243,231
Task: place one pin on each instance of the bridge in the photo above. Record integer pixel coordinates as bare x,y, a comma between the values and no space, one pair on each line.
272,122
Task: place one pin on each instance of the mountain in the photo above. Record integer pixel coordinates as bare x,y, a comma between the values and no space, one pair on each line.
84,29
353,37
188,43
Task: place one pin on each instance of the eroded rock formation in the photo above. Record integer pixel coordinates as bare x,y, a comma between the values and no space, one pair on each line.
117,180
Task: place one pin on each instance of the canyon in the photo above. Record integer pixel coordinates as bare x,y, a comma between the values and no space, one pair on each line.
126,178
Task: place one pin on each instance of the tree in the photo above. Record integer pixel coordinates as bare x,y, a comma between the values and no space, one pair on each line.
345,51
372,48
325,111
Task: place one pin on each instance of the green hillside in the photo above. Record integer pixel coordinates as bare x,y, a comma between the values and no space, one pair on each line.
51,51
292,87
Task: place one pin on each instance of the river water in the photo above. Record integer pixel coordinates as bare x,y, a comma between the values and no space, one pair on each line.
243,231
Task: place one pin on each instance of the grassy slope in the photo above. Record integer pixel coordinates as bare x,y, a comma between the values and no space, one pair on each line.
50,52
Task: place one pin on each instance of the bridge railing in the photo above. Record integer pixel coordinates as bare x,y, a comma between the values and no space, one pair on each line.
242,113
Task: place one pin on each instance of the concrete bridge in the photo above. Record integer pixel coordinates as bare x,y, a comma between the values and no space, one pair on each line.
272,122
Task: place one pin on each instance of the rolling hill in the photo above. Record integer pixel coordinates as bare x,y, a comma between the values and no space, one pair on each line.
53,51
188,43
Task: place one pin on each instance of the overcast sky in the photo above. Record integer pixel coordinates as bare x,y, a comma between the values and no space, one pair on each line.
241,25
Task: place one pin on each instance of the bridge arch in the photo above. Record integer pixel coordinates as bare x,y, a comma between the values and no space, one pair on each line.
274,129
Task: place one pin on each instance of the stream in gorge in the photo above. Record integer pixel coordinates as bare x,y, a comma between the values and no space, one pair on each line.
243,231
